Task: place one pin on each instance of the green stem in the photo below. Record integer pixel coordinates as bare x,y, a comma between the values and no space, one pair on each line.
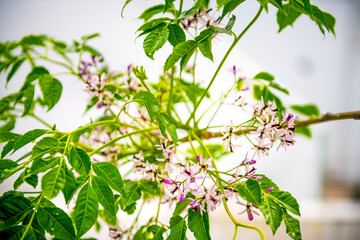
40,120
235,232
236,40
158,210
120,137
171,90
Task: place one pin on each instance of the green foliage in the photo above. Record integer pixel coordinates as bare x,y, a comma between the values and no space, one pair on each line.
13,207
177,228
309,110
56,222
155,40
306,131
185,50
149,101
181,206
272,213
132,193
79,160
86,210
292,226
167,124
104,194
176,35
286,200
250,191
51,89
199,224
53,182
58,157
111,175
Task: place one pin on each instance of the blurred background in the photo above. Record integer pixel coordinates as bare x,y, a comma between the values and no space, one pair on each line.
323,173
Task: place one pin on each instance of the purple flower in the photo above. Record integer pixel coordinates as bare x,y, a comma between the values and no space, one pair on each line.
191,178
249,210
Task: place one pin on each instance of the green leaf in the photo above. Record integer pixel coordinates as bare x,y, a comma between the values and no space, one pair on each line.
230,24
277,3
176,35
272,213
45,145
150,188
86,38
168,4
309,110
156,232
8,125
221,3
107,217
125,4
286,16
177,228
104,194
27,138
13,209
180,206
132,193
79,160
264,76
14,69
51,89
199,224
86,210
150,101
53,182
278,87
34,40
6,136
267,183
70,185
323,19
56,222
152,24
307,6
188,13
250,191
32,180
205,48
151,11
257,92
43,164
111,175
230,6
264,4
29,96
19,181
180,50
13,233
35,73
305,130
292,226
155,40
7,164
166,123
286,200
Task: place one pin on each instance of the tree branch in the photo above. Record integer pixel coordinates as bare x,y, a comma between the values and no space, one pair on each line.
301,123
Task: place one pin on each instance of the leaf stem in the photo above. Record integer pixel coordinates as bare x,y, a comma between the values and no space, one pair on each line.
40,120
236,40
171,90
